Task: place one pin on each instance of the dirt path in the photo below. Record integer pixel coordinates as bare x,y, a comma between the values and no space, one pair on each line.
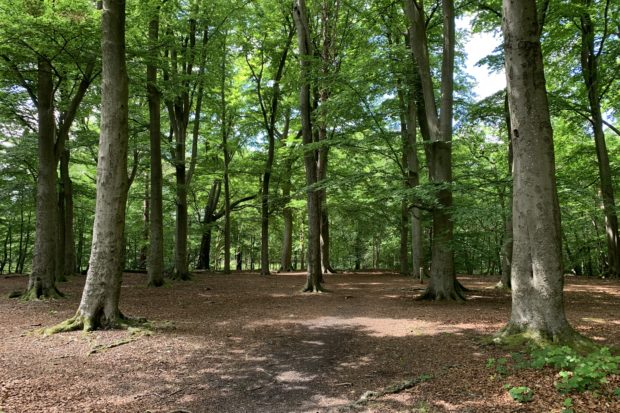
244,343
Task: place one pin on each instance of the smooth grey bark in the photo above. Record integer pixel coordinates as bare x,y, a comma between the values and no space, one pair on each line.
590,72
69,239
155,260
313,280
443,283
100,298
413,180
507,242
42,280
537,273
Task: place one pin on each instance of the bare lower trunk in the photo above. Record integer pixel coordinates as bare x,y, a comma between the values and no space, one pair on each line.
287,241
506,252
537,274
404,238
42,281
99,304
155,260
69,241
313,280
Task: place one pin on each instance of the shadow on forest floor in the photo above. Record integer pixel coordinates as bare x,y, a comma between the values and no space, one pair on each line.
244,343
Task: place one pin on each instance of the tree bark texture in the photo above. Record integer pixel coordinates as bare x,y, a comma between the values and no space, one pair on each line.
443,283
155,260
286,263
537,273
313,281
589,69
506,251
41,283
100,298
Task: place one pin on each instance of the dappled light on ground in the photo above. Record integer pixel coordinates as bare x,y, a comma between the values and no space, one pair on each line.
248,343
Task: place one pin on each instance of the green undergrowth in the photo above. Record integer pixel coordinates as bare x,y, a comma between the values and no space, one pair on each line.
577,371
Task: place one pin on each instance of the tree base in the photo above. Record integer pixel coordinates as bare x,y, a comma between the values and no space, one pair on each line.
310,288
514,336
159,282
79,322
455,293
34,294
181,276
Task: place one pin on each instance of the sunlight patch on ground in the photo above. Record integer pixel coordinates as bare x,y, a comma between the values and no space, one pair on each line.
320,401
378,327
294,377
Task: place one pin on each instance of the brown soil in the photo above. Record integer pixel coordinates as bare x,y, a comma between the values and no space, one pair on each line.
245,343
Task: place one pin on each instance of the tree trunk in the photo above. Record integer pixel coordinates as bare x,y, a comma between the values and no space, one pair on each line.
227,238
41,283
264,250
313,281
208,221
537,274
506,251
443,284
69,268
155,261
100,298
287,216
413,180
589,68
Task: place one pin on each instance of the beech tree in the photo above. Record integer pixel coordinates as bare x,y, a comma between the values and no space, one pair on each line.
100,298
443,284
537,272
313,281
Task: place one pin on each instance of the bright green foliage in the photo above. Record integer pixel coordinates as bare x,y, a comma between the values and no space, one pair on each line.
521,394
577,373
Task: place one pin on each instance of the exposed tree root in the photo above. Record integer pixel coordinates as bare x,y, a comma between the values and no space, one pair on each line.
134,335
393,389
35,293
79,322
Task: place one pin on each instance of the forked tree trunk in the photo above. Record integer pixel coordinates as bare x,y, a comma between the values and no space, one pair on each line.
537,273
443,283
100,298
589,68
42,281
313,280
155,261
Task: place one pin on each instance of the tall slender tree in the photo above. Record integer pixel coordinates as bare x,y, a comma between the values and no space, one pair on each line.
313,281
155,265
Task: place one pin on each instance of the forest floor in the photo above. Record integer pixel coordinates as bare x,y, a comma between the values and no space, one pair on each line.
245,343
